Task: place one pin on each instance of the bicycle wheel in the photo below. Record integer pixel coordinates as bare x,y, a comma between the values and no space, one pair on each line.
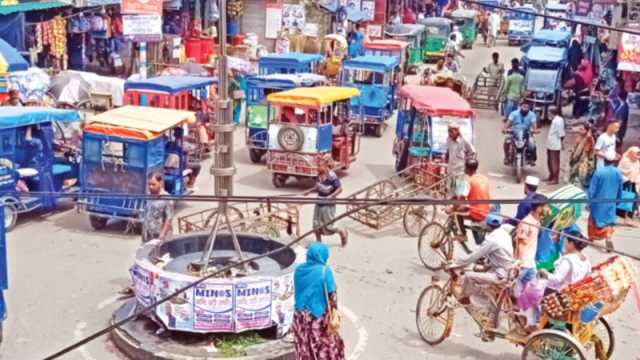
435,247
553,345
416,217
604,332
434,318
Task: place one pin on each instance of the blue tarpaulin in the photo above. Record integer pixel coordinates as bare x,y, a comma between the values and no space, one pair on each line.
170,84
10,59
12,30
11,117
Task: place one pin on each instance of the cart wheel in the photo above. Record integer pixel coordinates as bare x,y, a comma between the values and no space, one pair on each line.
435,247
416,217
434,318
98,222
255,155
264,228
279,180
235,217
382,190
378,130
604,332
552,345
10,216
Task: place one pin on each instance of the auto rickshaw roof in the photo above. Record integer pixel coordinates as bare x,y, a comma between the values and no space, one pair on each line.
552,35
378,63
405,29
547,54
490,4
556,6
18,116
313,96
437,101
527,8
170,84
290,56
464,13
438,21
286,81
142,123
386,44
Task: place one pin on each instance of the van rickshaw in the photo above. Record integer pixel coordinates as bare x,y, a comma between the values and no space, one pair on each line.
546,68
437,33
190,93
120,149
310,124
414,34
375,78
558,10
571,325
389,47
288,63
466,19
521,24
336,50
28,161
258,114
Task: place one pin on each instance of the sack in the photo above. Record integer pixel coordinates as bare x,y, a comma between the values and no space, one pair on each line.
627,194
334,317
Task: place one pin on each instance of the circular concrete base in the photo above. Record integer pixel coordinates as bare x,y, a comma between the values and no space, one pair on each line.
138,340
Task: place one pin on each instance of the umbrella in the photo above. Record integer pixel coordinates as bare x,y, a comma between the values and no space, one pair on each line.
10,59
70,88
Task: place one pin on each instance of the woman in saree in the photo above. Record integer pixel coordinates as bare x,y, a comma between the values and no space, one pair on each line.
582,161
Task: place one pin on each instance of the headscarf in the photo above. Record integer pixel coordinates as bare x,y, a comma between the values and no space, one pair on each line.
630,168
310,278
584,69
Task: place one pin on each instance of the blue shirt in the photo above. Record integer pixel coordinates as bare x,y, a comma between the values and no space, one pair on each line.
520,123
524,208
355,43
329,185
606,183
548,251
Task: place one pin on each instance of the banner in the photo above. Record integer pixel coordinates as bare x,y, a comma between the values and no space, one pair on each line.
253,305
143,282
176,313
148,7
273,20
213,307
628,52
142,27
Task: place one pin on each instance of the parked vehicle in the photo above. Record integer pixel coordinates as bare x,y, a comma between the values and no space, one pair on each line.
258,114
414,34
521,24
28,161
390,47
120,149
311,124
467,20
437,32
289,63
546,69
375,77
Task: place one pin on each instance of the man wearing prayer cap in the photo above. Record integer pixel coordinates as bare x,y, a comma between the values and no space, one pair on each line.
524,207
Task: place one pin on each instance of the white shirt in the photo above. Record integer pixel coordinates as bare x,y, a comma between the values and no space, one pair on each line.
606,144
556,133
497,248
568,269
494,24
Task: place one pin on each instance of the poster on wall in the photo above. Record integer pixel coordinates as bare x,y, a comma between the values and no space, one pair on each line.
253,305
143,282
213,307
177,313
142,27
283,302
374,31
293,17
273,20
148,7
369,8
629,52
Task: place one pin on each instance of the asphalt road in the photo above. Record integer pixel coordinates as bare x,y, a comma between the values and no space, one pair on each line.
64,276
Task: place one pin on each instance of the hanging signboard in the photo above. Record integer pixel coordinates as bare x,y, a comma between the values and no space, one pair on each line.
142,27
273,20
149,7
629,52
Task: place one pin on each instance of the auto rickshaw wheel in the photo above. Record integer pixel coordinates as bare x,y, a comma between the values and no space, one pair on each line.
279,180
255,155
434,319
10,216
552,345
98,222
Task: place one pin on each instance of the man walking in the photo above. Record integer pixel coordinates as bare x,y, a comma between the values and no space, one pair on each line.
554,145
605,146
606,184
458,152
513,88
494,27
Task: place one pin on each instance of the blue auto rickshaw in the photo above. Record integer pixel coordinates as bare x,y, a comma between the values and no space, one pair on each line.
555,9
375,77
288,63
546,69
546,37
28,161
258,114
521,24
121,148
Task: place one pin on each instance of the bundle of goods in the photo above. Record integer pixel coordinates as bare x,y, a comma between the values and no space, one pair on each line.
54,34
608,283
235,8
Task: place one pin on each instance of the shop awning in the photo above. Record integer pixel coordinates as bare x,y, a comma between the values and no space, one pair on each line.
29,6
10,59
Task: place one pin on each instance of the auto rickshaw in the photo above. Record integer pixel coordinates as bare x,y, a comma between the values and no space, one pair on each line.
553,38
28,161
335,49
555,9
288,63
466,19
437,32
258,114
310,124
120,149
546,69
521,24
414,34
375,77
390,47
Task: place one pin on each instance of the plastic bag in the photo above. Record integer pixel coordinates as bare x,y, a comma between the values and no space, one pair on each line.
532,294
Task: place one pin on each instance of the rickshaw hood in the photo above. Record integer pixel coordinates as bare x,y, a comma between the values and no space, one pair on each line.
313,96
13,117
170,84
286,81
546,35
405,29
10,59
386,44
437,101
371,62
299,58
546,54
137,122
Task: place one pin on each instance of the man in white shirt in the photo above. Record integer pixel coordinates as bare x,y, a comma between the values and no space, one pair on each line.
554,145
494,28
606,144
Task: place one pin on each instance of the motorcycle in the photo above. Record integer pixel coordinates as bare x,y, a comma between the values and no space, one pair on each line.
518,155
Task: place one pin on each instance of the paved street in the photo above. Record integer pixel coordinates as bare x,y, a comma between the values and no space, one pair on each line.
64,276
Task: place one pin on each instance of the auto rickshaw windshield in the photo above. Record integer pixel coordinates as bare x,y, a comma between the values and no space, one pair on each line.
435,30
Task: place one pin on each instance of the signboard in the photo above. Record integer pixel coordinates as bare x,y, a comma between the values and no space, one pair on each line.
142,27
583,7
177,313
253,305
273,20
374,31
148,7
521,25
213,307
629,52
369,7
293,17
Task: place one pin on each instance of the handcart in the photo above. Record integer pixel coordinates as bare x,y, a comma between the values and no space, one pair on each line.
485,93
267,219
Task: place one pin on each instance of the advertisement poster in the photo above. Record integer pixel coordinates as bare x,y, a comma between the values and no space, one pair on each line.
293,17
177,313
139,7
283,302
142,27
273,20
521,25
253,305
369,7
628,52
583,7
213,307
143,283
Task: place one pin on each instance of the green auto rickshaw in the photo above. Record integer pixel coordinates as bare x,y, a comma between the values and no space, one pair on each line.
437,35
414,34
467,21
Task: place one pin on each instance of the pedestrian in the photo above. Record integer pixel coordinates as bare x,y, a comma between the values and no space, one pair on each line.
554,145
355,39
483,24
494,27
459,150
580,84
575,55
315,297
513,89
581,162
524,207
621,112
495,69
605,186
630,167
605,146
158,213
328,186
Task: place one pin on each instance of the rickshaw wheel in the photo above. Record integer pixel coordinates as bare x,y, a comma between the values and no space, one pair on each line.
416,217
435,247
98,222
552,345
255,155
604,332
234,215
10,216
434,319
279,180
